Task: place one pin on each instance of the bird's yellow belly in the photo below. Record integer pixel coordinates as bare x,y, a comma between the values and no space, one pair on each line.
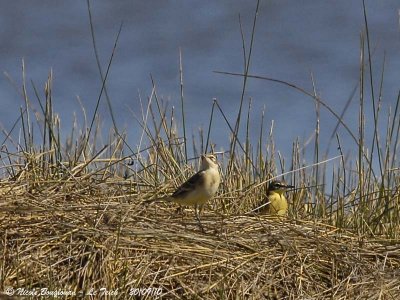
278,205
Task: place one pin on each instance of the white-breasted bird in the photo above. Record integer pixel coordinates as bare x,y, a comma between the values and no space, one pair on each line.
199,188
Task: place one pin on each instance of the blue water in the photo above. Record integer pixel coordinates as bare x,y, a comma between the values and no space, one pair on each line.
293,39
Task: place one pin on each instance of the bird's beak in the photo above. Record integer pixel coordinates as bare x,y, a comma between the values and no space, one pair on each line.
289,186
203,156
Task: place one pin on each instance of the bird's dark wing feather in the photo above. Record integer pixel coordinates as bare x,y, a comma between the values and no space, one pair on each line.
262,207
189,185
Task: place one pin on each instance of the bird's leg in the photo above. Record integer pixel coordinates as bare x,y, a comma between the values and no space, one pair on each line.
181,212
197,210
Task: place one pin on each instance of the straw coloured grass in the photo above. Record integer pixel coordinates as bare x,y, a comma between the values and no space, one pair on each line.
80,237
75,220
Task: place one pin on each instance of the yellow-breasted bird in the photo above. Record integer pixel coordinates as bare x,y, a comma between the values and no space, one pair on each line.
199,188
277,202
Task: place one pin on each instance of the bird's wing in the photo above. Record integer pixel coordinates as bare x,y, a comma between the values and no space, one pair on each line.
190,185
262,207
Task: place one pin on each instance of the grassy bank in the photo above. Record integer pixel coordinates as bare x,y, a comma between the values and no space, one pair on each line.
73,216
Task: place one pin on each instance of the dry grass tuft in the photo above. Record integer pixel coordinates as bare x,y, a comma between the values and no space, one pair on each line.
82,236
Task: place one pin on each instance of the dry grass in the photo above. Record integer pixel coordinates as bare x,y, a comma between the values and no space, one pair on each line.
82,235
84,232
73,218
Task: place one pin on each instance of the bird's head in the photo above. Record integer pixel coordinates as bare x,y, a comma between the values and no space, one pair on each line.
208,161
279,187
